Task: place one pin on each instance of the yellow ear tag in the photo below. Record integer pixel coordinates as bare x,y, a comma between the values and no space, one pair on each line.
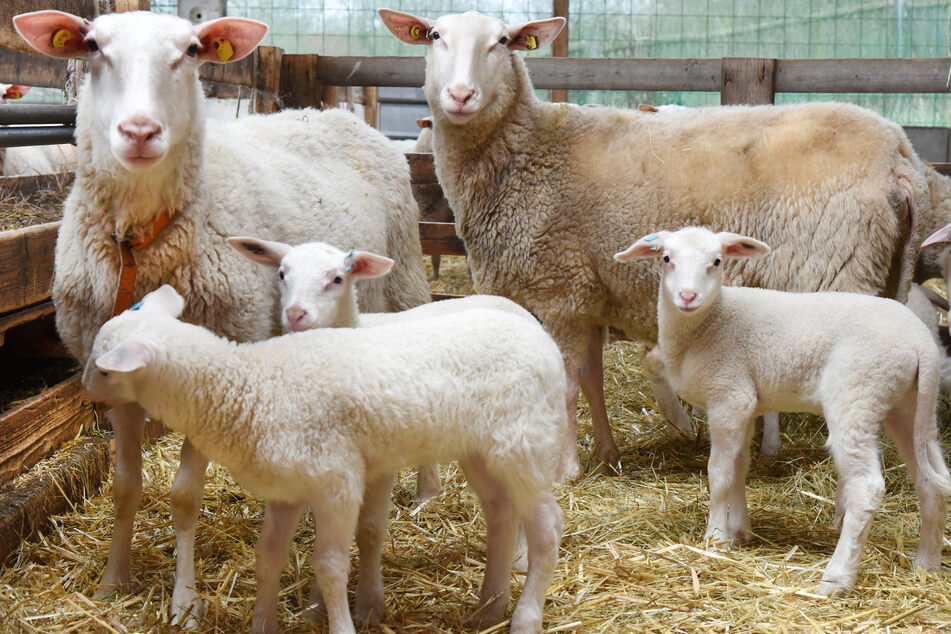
225,51
61,38
416,31
13,94
530,42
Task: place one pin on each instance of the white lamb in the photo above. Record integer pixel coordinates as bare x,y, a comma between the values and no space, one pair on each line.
544,193
300,420
146,152
857,360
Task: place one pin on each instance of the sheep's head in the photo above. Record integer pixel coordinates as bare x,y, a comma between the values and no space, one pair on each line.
693,259
123,346
143,71
468,55
942,239
316,280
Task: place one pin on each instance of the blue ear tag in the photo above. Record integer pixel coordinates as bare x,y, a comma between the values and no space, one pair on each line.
654,248
352,264
136,306
650,238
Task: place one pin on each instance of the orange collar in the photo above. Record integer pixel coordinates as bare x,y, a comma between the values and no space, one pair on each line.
127,268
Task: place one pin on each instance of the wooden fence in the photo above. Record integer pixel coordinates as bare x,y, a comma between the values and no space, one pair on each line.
34,428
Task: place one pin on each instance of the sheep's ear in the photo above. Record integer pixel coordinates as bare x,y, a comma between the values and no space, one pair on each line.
165,299
363,264
228,39
425,122
941,236
128,356
16,91
55,33
736,246
261,251
650,246
407,28
531,35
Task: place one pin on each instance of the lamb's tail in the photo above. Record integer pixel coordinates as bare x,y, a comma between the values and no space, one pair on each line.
930,458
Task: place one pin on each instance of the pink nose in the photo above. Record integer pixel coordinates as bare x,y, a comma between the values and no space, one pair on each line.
687,295
295,316
460,94
139,129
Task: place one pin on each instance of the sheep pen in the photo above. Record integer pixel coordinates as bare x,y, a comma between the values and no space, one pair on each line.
633,556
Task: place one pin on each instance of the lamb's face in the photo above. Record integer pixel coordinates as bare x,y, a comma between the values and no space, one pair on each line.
941,239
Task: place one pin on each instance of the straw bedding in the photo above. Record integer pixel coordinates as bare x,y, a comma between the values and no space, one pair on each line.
632,559
24,210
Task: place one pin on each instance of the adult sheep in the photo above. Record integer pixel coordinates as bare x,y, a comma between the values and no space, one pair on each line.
148,157
543,194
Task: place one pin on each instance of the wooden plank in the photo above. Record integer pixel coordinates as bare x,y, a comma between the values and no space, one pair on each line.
26,265
438,297
34,429
422,171
267,78
24,185
371,103
75,474
239,73
863,75
559,48
24,315
133,5
31,69
747,80
942,168
300,87
9,38
439,238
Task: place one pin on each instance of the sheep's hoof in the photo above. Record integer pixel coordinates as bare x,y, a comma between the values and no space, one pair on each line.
187,611
927,565
261,624
368,615
833,589
106,591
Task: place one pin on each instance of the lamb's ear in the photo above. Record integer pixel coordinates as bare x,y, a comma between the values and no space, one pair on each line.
650,246
405,27
736,246
55,33
128,356
228,39
165,299
261,251
531,35
363,264
941,236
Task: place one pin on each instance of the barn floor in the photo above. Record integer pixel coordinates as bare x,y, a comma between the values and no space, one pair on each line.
633,557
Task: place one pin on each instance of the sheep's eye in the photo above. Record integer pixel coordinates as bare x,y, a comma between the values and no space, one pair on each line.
280,274
338,280
92,44
103,373
192,50
433,35
716,262
667,259
503,40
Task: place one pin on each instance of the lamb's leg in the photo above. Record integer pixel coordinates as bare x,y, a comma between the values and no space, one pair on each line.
185,502
592,383
128,423
730,435
280,521
501,527
335,514
543,527
771,444
371,529
435,259
569,467
427,483
666,397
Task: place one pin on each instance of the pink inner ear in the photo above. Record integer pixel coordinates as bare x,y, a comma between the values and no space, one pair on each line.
241,34
54,33
405,27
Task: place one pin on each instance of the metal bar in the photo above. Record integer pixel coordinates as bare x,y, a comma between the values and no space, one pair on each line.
36,135
33,113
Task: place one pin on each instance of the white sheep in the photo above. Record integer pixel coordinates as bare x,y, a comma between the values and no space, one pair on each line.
300,419
544,193
857,360
145,152
30,160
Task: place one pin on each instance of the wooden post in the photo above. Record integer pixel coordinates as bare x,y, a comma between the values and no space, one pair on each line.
747,80
133,5
267,78
559,48
371,102
299,83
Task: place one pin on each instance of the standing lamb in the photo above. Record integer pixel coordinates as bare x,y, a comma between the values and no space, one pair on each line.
426,389
544,193
148,158
857,360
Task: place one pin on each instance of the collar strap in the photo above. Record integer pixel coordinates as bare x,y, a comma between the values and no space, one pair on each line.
127,269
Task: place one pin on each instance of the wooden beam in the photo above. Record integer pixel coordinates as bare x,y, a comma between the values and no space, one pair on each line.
267,73
371,103
863,75
300,87
422,171
439,238
24,315
9,38
133,5
240,73
747,80
26,265
35,428
559,48
31,69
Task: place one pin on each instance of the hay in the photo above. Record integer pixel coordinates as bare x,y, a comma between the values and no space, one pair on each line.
632,559
25,210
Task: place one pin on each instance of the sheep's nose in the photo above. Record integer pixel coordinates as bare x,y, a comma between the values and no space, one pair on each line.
295,317
687,295
139,129
461,94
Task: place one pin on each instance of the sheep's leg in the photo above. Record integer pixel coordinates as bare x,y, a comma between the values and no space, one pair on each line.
371,528
435,259
771,444
427,483
854,448
185,502
592,383
730,435
128,423
280,521
569,467
335,513
666,397
543,528
501,526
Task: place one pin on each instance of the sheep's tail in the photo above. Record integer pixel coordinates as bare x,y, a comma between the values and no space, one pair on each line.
930,458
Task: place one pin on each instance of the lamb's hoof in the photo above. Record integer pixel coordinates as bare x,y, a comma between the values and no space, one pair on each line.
187,611
718,539
106,591
488,615
525,621
927,565
833,589
261,624
368,615
316,614
568,473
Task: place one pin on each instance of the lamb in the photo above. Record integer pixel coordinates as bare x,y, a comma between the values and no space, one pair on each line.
427,389
33,159
857,360
544,193
148,158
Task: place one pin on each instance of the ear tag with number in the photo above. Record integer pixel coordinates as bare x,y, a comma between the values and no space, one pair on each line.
416,31
530,42
61,38
225,50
